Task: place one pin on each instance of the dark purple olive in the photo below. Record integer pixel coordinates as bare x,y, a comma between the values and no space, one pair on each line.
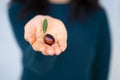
49,39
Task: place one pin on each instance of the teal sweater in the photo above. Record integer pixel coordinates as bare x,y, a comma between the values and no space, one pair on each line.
87,56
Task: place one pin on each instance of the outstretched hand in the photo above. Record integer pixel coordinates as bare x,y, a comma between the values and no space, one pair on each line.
34,35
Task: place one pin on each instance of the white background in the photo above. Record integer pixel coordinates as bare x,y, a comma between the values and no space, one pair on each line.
10,55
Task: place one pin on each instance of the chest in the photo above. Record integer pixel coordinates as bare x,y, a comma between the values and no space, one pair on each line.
81,46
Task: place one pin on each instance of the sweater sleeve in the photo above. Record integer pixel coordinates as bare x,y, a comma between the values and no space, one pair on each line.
32,60
100,69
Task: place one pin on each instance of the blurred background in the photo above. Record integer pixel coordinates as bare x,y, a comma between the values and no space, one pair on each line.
10,55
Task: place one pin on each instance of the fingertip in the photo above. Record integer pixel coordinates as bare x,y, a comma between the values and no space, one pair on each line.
31,41
62,46
50,50
58,53
44,53
57,49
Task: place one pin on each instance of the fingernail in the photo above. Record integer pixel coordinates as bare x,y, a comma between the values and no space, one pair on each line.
50,52
58,53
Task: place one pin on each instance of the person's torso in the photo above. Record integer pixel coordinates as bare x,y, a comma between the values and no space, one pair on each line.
76,62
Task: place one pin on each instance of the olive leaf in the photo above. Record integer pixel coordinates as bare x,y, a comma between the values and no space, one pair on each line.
45,25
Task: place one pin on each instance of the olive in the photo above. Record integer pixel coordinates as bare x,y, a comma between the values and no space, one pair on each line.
49,39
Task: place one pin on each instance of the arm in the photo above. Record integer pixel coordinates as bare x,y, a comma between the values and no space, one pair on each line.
100,68
17,25
32,60
39,63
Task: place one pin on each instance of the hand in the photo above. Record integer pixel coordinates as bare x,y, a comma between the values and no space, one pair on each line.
34,35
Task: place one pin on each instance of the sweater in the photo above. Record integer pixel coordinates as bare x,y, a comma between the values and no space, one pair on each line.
87,56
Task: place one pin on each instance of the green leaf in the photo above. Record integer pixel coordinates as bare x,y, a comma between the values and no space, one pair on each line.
45,25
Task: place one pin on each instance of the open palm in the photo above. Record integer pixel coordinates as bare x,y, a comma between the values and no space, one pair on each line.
34,35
